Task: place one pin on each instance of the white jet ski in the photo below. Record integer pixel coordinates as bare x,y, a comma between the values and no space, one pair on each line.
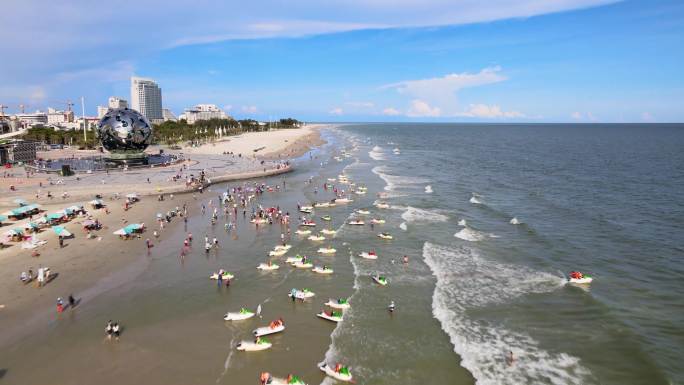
338,304
327,250
243,314
251,346
266,330
303,265
370,255
316,238
342,375
334,316
266,266
301,294
322,270
303,232
225,275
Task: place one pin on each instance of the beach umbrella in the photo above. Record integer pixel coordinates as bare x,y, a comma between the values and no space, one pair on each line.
96,202
31,225
20,202
13,232
88,222
3,218
120,232
60,230
132,196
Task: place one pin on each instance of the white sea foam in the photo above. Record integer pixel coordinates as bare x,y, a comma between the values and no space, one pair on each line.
464,281
428,189
413,215
475,201
376,153
515,221
462,222
468,234
394,182
403,226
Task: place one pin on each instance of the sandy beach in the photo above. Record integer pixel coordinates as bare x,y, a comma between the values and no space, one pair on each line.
83,262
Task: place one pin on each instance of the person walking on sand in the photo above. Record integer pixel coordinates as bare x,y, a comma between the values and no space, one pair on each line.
109,329
72,301
61,241
116,330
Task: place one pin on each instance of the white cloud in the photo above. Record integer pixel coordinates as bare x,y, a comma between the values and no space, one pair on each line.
227,107
445,88
420,108
489,112
577,115
441,93
336,111
249,109
647,117
391,111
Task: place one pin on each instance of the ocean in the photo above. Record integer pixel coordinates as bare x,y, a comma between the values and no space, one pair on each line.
494,217
491,218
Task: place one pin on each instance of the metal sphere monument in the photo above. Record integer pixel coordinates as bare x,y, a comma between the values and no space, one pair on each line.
125,133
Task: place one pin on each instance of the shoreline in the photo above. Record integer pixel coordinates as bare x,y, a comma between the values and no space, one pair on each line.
249,169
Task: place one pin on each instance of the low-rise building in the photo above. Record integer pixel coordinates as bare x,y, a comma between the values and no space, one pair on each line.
204,112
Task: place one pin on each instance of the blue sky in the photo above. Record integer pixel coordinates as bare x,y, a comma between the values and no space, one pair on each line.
379,60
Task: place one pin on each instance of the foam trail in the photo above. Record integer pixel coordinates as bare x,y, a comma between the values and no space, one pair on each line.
465,281
403,226
475,201
376,153
413,215
428,189
468,234
515,221
226,363
396,181
462,222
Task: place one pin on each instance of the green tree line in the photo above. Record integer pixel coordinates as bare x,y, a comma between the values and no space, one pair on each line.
170,133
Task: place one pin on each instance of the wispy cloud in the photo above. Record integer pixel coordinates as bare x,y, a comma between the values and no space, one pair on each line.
249,109
82,42
420,108
336,111
438,97
391,111
490,112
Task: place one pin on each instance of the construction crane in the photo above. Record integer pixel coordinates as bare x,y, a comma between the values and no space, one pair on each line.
2,109
21,107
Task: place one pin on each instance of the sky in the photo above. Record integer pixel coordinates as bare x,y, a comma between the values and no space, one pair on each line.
373,60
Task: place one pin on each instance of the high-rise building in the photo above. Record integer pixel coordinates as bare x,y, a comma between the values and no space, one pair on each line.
117,102
146,98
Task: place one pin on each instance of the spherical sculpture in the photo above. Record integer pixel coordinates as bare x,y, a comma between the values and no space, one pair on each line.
124,130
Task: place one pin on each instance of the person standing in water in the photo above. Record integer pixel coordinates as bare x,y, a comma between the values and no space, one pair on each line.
391,307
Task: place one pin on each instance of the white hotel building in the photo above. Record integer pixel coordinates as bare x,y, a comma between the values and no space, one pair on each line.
146,98
203,112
